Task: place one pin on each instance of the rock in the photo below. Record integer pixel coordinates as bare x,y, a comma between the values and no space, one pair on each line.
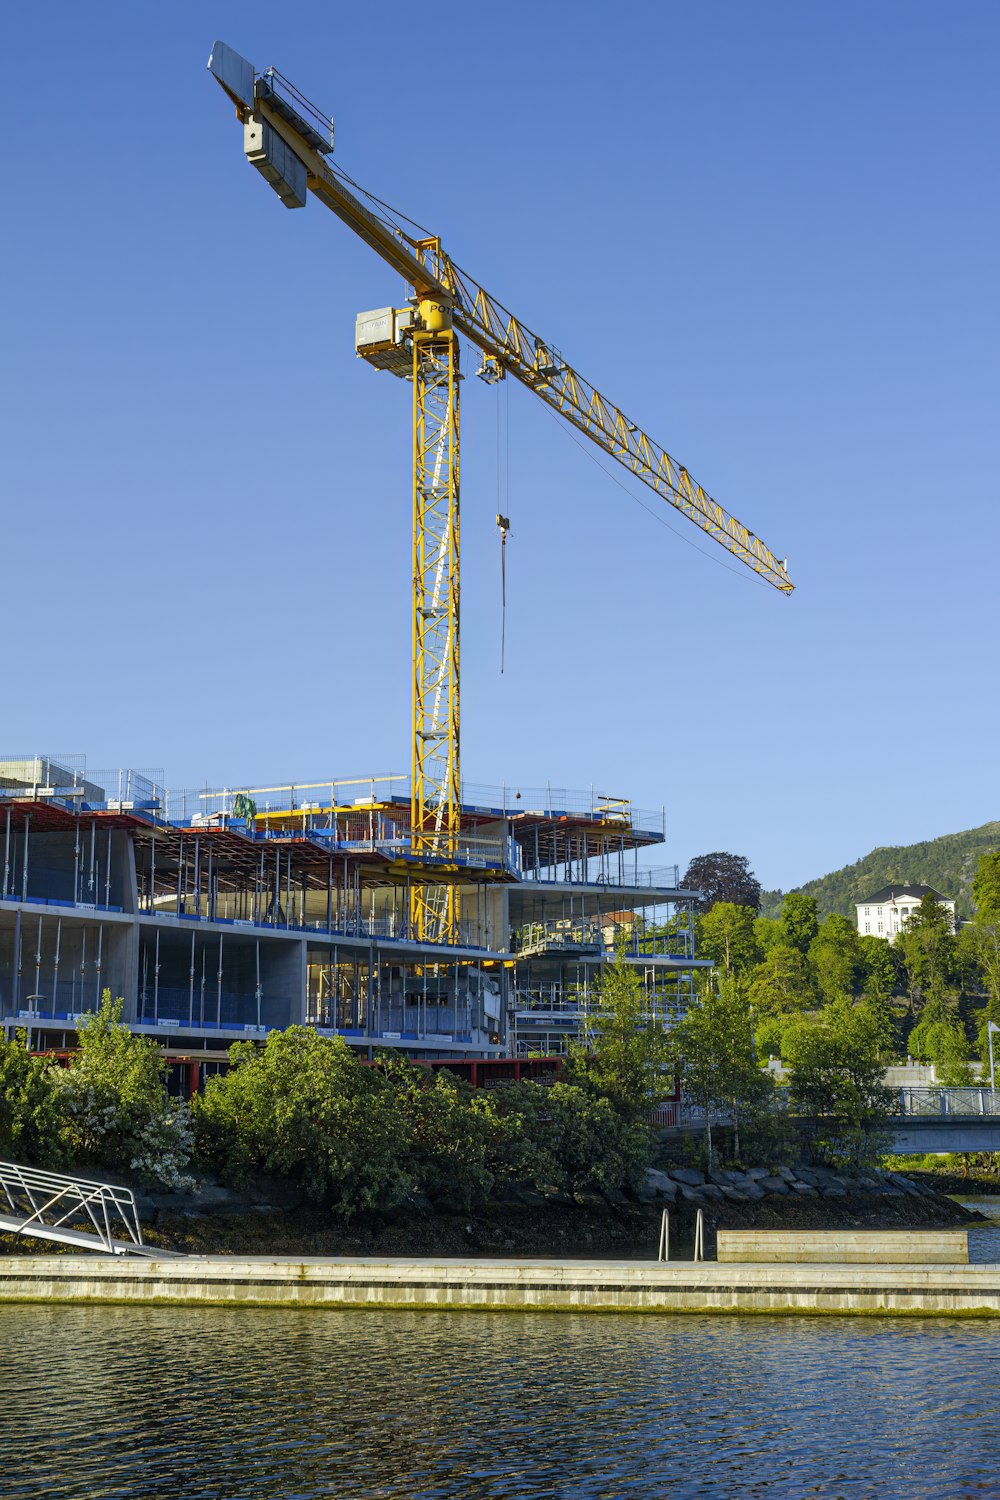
832,1190
660,1184
647,1194
592,1202
805,1189
757,1173
740,1180
807,1175
733,1196
614,1197
774,1185
710,1190
693,1195
207,1192
532,1199
786,1174
688,1176
556,1195
721,1178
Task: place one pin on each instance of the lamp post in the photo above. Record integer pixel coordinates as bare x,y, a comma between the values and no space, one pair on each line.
991,1027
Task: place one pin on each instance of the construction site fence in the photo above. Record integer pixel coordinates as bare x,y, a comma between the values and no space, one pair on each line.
502,800
144,787
124,786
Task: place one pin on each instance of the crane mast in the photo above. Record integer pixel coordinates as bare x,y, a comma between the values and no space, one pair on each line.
435,786
288,141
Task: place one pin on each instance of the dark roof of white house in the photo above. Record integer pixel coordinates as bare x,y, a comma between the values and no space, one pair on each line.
890,893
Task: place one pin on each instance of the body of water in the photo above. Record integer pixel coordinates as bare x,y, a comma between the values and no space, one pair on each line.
984,1239
109,1403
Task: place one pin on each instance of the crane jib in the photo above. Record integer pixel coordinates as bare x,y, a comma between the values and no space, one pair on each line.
477,315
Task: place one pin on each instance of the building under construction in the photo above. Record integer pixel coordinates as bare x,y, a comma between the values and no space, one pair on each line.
220,915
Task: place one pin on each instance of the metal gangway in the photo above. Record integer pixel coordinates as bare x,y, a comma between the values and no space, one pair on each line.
71,1211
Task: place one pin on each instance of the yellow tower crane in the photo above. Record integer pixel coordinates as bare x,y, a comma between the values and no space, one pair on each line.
290,142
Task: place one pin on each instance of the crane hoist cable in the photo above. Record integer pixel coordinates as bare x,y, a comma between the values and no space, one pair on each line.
504,523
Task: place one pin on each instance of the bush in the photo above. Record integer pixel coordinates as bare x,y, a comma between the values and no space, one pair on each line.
32,1114
572,1138
303,1107
117,1113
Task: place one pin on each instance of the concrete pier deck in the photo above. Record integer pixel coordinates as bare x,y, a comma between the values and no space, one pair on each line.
507,1285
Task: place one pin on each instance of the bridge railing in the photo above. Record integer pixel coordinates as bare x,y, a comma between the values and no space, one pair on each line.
949,1101
52,1206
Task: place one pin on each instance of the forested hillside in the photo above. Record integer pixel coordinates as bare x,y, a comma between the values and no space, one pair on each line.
947,863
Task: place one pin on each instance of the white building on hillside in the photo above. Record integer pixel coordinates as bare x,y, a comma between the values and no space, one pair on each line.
886,913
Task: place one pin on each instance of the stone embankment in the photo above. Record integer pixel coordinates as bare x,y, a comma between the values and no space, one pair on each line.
271,1218
688,1185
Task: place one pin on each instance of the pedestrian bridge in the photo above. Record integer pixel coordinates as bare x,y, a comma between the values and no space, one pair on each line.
945,1119
926,1119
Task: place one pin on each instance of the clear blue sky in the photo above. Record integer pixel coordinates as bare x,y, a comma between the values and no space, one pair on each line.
769,232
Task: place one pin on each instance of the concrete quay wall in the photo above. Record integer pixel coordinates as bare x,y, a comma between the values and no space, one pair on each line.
505,1285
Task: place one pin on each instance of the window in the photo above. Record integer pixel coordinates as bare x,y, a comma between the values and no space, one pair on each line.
868,927
880,913
880,927
868,911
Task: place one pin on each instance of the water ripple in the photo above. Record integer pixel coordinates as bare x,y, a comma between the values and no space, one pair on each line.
100,1403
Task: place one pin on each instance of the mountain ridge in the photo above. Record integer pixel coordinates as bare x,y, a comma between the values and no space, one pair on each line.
947,863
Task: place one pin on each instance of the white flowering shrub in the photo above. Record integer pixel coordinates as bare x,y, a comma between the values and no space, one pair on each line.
118,1112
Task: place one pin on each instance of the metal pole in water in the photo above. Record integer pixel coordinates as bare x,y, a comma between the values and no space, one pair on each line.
699,1235
664,1250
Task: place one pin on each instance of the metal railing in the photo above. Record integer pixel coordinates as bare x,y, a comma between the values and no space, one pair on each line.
69,1210
542,937
948,1101
540,1001
603,872
638,941
503,800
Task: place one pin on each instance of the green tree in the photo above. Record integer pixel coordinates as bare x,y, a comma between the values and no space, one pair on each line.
836,1080
769,933
716,1050
939,1038
625,1051
986,935
782,984
32,1114
986,889
927,947
728,937
836,957
879,983
799,921
118,1112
